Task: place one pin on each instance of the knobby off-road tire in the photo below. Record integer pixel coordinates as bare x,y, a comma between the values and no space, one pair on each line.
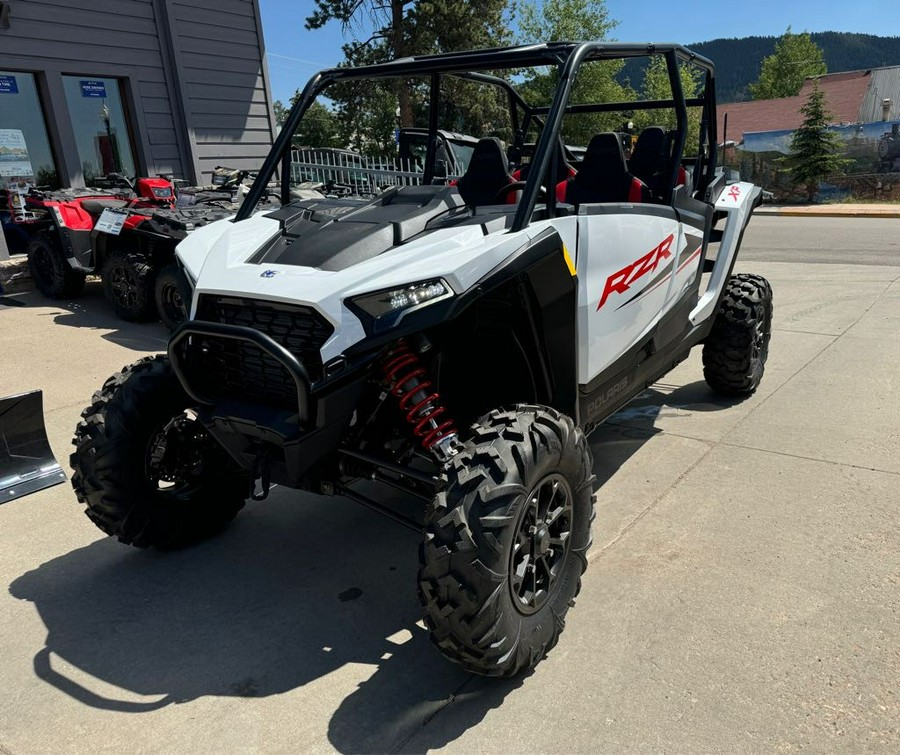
148,472
522,486
735,352
172,296
51,272
128,283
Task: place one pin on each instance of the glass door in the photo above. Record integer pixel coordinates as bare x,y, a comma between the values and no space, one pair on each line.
100,126
25,154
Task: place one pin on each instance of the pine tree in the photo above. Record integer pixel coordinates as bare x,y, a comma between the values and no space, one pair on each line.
815,151
796,58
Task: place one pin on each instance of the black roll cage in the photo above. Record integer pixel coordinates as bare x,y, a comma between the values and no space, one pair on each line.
568,57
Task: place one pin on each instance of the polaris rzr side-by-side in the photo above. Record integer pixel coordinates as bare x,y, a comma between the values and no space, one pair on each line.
454,341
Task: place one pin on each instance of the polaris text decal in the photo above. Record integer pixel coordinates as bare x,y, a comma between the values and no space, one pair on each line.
621,281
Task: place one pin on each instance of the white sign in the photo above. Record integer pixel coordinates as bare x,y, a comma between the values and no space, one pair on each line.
14,154
111,221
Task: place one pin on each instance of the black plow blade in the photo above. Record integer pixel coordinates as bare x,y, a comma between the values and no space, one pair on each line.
26,461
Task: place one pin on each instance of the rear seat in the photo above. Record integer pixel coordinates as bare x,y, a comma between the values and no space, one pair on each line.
603,177
651,161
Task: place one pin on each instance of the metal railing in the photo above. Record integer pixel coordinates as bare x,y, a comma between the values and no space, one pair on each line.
350,173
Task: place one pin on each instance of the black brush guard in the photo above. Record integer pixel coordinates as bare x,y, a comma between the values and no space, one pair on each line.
294,430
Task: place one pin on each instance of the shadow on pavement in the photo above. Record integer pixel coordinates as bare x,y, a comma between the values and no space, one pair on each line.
298,588
656,400
91,311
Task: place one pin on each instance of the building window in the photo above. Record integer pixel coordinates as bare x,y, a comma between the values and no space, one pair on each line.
25,154
100,126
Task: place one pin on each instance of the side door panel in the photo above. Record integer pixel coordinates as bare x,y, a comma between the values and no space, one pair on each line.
626,263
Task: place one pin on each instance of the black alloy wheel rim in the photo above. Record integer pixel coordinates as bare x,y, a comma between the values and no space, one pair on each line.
758,348
172,303
124,286
176,454
43,265
541,544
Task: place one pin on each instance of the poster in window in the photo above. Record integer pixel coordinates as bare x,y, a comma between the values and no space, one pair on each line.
14,160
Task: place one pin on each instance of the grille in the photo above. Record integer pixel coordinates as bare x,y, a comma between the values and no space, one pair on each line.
239,369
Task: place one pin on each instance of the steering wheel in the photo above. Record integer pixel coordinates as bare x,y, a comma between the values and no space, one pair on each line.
500,196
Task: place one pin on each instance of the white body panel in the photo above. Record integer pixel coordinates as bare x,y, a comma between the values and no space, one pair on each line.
624,266
737,201
631,267
461,256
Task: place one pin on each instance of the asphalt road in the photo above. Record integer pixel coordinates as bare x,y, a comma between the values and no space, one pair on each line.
845,241
743,592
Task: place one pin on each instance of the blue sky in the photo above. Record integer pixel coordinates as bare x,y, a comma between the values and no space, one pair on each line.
294,54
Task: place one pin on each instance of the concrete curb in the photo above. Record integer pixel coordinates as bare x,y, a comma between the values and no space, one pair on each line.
832,211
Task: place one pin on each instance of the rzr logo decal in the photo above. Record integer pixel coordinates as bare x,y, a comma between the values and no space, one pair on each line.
621,281
734,192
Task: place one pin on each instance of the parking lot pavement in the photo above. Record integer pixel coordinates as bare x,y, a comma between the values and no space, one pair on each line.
743,592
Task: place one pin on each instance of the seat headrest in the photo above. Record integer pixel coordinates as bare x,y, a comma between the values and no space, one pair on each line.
487,173
649,151
604,153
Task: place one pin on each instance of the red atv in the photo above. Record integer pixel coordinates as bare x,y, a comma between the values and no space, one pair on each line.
61,225
141,278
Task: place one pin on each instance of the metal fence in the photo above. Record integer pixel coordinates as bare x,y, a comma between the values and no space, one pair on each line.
351,173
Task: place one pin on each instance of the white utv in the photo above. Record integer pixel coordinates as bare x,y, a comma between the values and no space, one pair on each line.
456,339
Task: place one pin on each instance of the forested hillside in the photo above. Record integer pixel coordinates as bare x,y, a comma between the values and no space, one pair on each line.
738,60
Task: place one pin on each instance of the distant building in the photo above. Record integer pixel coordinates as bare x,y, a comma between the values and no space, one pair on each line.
139,87
852,97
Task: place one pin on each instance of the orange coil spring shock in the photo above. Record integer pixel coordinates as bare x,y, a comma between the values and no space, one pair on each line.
409,382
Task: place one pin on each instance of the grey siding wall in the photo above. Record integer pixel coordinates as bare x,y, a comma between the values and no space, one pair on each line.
114,38
224,84
196,79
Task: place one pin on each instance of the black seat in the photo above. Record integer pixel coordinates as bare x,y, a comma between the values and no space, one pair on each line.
651,161
649,156
559,167
97,206
603,176
488,172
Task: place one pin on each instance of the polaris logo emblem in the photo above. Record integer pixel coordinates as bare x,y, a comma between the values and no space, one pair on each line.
621,281
597,404
268,274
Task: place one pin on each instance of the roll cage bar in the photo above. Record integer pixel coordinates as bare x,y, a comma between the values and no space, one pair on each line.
567,56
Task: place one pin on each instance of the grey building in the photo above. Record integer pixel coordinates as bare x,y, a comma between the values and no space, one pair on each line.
141,87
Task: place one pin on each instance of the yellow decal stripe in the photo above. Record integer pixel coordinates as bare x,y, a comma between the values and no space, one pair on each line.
568,259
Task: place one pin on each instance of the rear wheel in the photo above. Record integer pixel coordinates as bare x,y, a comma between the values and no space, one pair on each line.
50,270
128,280
172,296
735,352
506,541
147,469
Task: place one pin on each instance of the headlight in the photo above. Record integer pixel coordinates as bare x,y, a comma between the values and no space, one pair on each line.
386,308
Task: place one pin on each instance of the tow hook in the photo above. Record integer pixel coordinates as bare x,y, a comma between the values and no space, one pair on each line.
261,476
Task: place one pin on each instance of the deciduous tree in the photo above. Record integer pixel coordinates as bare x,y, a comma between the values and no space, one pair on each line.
796,57
574,20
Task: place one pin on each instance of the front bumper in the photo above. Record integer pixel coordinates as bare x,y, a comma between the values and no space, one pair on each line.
255,396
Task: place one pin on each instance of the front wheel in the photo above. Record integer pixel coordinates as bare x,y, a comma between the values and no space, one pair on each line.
50,270
735,352
506,541
173,296
128,280
146,468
